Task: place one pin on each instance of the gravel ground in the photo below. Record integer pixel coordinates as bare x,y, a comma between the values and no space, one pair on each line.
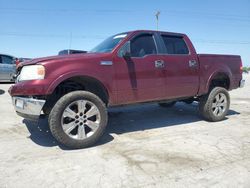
144,146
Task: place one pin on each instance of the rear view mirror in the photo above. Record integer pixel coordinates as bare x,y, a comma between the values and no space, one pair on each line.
125,51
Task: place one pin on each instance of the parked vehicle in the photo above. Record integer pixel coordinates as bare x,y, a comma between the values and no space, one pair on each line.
128,68
7,68
67,52
21,59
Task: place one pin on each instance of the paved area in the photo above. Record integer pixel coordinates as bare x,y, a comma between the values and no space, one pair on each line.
144,146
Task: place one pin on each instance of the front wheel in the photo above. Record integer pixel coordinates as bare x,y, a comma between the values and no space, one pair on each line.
78,119
215,105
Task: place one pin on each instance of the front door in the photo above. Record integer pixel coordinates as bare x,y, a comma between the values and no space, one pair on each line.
140,78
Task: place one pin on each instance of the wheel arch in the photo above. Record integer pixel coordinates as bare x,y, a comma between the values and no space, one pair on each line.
84,82
220,78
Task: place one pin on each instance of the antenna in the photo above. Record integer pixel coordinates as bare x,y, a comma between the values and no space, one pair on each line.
157,19
70,40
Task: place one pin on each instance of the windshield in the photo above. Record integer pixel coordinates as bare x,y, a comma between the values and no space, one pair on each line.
109,44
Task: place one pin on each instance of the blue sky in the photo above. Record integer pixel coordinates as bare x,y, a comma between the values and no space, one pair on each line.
35,28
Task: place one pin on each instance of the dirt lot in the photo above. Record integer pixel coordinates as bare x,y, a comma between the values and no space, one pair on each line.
144,146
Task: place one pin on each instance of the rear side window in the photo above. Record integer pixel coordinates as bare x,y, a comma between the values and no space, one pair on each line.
175,45
143,45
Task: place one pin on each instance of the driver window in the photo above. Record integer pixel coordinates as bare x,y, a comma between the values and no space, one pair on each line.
143,45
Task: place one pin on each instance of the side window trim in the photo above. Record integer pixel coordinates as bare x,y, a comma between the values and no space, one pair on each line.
155,43
164,52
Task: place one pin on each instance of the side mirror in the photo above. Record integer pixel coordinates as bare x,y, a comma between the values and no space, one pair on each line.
125,51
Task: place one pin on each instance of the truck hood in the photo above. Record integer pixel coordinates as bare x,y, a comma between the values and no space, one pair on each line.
61,58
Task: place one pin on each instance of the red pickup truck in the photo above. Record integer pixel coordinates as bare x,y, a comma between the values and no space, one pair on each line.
132,67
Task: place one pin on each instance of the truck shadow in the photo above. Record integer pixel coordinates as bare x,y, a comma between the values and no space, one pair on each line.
126,119
41,135
151,116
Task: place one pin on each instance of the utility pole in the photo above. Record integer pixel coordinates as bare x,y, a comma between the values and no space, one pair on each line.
157,19
70,40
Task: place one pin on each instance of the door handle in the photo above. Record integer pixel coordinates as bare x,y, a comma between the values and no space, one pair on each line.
159,64
193,63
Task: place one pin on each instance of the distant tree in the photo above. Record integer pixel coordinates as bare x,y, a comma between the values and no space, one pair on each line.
246,69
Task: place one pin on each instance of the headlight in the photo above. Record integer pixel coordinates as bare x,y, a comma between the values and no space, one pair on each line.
32,72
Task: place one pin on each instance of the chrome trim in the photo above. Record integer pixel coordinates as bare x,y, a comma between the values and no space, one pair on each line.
106,63
242,83
31,107
159,64
219,104
192,63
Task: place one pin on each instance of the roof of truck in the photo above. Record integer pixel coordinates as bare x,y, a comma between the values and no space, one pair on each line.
166,32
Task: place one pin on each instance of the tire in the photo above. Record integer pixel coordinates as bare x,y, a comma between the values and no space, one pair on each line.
215,105
167,104
72,122
50,102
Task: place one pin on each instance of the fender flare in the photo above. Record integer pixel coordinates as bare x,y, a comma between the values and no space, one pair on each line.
222,70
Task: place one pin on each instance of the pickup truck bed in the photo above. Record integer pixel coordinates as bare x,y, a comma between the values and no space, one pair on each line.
211,64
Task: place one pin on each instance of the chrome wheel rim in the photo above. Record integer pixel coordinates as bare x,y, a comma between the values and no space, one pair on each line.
80,119
219,104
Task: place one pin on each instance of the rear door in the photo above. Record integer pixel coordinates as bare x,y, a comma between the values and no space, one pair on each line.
138,78
181,67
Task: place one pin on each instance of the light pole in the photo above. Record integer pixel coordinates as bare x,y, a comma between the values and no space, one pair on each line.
157,19
70,40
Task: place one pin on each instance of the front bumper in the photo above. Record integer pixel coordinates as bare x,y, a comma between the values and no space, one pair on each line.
28,108
242,83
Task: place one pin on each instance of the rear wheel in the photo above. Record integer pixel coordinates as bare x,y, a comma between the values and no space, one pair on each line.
215,105
167,104
78,119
